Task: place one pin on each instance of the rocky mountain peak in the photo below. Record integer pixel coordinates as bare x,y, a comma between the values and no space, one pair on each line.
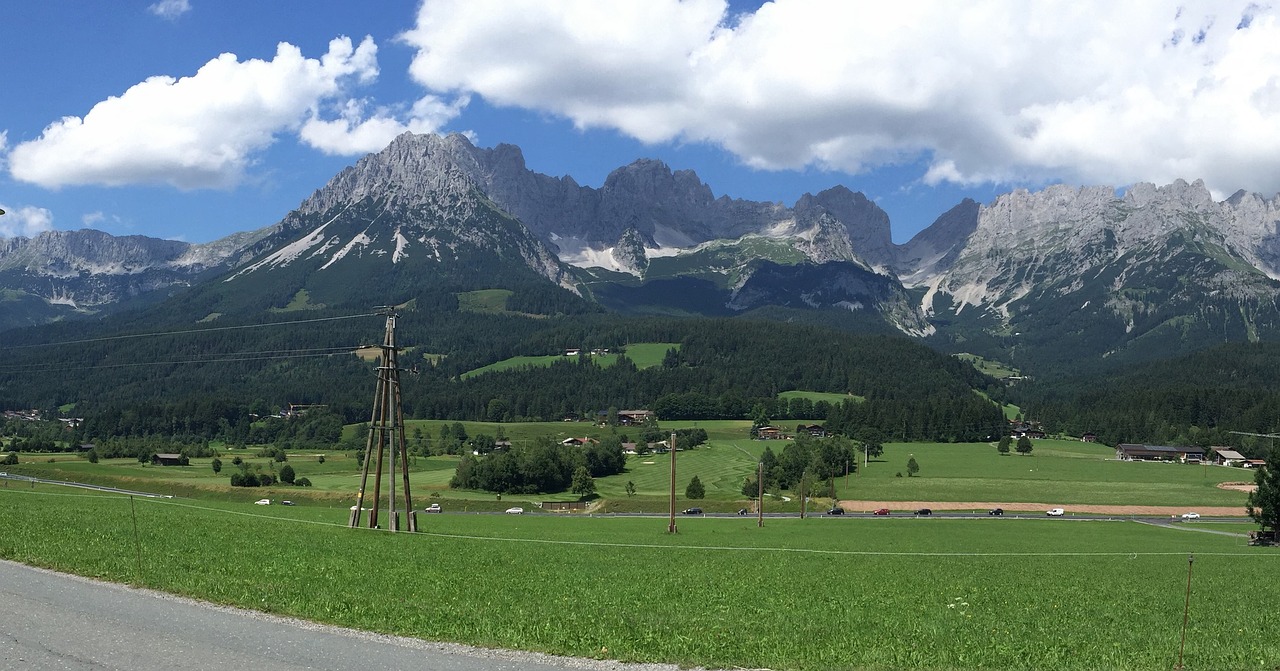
652,179
866,224
410,169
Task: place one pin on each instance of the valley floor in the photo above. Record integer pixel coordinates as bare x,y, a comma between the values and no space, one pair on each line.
1207,511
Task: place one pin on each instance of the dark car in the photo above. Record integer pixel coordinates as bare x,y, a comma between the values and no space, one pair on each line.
924,511
742,511
996,511
836,511
881,511
691,511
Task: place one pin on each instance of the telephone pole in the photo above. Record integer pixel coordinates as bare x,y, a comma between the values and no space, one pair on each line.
671,526
386,435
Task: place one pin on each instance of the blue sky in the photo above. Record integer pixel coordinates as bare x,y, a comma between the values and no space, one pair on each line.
194,119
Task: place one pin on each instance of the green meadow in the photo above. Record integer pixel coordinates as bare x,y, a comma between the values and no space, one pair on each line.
822,593
643,355
1058,472
815,396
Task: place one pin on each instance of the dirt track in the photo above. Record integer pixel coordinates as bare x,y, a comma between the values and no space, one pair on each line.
909,506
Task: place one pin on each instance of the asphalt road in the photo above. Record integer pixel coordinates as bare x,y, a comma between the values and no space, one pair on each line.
54,621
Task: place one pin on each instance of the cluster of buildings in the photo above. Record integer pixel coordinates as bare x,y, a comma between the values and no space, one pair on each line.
1219,456
23,415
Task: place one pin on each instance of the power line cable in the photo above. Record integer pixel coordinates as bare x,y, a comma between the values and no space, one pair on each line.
237,357
188,331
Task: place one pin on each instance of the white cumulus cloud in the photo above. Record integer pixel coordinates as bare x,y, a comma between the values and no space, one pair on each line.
199,131
24,221
986,91
358,131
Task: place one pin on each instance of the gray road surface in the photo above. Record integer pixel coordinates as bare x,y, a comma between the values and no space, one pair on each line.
55,621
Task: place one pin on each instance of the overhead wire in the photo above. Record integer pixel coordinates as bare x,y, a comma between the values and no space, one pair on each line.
186,331
199,359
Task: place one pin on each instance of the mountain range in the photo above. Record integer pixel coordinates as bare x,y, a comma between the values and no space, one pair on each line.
1061,278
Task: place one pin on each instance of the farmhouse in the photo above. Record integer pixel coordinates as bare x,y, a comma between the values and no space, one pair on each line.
167,459
1089,437
629,417
579,441
1226,457
769,433
815,430
1133,452
1028,429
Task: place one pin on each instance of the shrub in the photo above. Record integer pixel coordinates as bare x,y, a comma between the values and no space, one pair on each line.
266,479
244,480
287,474
302,482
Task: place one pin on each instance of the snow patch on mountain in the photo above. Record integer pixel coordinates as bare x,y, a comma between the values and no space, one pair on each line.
402,243
362,240
287,254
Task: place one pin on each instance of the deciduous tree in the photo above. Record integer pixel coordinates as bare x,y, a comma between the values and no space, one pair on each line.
583,483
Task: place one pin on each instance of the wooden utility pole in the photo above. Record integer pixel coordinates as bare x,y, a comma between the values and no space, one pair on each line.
386,434
760,483
671,526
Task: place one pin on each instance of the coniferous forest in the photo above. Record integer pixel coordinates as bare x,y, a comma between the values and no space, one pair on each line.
156,373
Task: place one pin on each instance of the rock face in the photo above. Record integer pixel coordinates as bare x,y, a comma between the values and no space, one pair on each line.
1082,272
61,273
665,209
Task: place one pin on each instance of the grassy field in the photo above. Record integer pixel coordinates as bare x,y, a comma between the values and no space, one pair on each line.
815,396
649,354
823,593
1058,472
995,369
643,355
492,301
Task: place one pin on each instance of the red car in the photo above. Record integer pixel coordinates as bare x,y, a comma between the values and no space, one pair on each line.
881,511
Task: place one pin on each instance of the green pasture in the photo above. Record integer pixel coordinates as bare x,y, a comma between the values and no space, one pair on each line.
815,396
643,355
1057,473
822,593
492,301
604,361
995,369
649,354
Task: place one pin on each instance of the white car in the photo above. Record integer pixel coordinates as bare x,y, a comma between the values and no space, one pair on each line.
433,508
515,511
1190,516
262,502
1056,512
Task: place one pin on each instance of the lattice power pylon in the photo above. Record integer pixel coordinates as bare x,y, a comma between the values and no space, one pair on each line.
386,436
